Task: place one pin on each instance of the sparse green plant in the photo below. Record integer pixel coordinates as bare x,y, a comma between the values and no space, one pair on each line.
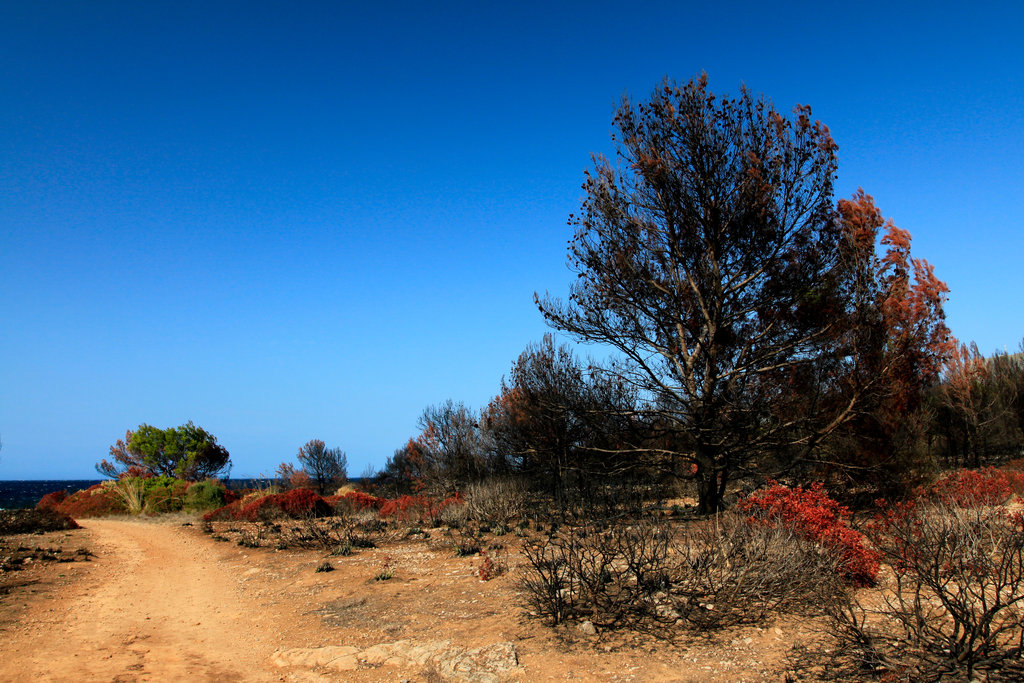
464,542
387,570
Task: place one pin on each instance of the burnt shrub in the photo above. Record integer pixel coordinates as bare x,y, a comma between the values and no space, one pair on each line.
296,504
812,514
28,521
225,513
355,501
299,503
497,501
645,574
974,488
954,605
417,509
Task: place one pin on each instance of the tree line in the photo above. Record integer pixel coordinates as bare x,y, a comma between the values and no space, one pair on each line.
757,327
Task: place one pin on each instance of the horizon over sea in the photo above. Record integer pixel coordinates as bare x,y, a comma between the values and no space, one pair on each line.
25,493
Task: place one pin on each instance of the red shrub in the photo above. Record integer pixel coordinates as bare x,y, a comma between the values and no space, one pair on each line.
223,514
96,501
360,500
974,488
295,504
420,509
303,503
51,500
819,518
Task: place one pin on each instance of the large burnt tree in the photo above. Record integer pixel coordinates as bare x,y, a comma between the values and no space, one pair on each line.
710,259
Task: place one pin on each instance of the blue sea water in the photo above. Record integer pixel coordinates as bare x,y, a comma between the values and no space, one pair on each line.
27,492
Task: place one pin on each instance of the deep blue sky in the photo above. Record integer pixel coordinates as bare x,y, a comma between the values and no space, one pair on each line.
289,221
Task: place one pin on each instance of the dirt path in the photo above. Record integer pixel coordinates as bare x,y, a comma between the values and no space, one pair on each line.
164,602
157,605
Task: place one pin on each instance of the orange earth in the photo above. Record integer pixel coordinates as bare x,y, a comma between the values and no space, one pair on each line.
161,601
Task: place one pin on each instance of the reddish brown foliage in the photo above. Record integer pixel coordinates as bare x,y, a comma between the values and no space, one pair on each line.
51,500
819,518
96,501
29,521
358,500
223,514
296,504
975,488
418,509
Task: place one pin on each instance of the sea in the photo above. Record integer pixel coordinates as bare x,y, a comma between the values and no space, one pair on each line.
26,493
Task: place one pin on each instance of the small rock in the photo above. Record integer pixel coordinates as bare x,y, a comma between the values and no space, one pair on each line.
587,628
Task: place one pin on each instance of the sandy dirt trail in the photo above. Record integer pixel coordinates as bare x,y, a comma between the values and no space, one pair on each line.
157,605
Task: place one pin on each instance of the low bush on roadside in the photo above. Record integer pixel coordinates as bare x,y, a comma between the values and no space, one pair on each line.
954,606
98,500
51,500
295,504
496,501
355,501
29,521
811,513
417,509
641,574
163,494
205,495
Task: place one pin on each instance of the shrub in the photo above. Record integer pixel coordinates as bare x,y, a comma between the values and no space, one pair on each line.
354,501
956,606
817,517
40,519
51,500
96,501
497,501
299,503
717,574
387,570
491,566
163,494
225,513
973,488
131,492
417,509
205,495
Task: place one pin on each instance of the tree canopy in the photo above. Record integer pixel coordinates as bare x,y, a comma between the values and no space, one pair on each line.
325,466
186,452
713,260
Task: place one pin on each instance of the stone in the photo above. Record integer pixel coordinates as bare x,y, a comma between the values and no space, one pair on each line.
337,657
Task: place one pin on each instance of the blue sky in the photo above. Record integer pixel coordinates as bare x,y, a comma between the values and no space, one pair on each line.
292,222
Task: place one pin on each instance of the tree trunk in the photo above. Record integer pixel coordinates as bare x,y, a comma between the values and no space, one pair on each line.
710,483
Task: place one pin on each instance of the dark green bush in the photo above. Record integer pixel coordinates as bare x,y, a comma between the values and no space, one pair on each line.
205,495
163,494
